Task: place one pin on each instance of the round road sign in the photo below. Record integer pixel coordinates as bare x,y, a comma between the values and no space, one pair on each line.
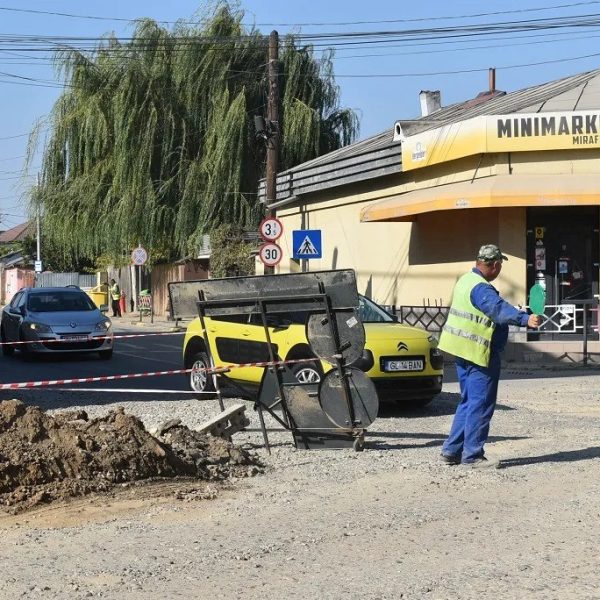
139,256
270,229
270,254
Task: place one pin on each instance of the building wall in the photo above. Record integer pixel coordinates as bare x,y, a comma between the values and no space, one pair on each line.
162,275
15,279
416,263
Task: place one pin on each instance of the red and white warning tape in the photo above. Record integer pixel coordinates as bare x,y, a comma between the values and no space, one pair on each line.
223,369
91,338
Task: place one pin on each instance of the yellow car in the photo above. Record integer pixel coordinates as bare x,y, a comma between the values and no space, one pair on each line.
402,361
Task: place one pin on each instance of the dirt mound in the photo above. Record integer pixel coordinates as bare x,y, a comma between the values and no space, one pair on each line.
44,457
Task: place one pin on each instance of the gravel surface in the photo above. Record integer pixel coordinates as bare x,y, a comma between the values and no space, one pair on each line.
389,523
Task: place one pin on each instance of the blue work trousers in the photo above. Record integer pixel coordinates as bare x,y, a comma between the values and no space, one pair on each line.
471,425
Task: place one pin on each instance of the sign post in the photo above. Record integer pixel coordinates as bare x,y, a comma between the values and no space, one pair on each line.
139,256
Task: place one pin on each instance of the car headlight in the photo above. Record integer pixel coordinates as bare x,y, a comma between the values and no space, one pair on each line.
102,326
40,327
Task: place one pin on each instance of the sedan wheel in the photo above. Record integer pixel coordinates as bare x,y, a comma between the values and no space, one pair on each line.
307,373
200,380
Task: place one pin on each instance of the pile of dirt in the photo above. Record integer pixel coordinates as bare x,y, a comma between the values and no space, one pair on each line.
45,458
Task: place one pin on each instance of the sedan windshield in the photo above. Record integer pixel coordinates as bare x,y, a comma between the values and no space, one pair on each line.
373,313
59,302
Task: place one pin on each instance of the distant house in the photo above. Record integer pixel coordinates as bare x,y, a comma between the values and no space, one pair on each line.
18,233
14,271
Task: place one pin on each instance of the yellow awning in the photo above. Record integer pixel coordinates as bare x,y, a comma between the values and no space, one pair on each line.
500,191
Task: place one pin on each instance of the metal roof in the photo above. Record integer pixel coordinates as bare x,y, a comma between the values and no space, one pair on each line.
380,155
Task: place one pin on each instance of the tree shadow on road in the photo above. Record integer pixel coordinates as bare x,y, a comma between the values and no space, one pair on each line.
566,456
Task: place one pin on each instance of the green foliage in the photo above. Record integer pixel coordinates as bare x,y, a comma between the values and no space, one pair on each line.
230,254
153,139
56,257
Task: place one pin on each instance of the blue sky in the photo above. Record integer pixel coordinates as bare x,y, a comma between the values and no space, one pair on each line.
378,100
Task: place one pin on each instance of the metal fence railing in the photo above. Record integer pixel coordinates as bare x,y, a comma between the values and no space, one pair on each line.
430,318
49,279
579,318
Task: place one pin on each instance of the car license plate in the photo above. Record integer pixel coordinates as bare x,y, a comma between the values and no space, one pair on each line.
75,338
403,365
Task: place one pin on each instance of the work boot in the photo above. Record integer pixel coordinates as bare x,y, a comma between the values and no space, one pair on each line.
450,459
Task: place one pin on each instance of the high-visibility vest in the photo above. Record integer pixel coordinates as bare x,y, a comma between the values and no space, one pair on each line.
467,332
115,292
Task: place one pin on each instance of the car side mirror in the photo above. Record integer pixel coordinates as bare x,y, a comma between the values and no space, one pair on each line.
13,310
103,308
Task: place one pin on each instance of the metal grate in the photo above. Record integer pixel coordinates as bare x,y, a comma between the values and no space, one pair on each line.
430,318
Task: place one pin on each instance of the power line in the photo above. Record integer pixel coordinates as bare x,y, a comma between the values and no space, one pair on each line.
470,48
458,71
13,137
582,20
12,158
310,24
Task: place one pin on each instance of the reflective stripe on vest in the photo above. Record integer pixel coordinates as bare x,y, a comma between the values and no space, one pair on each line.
465,315
467,332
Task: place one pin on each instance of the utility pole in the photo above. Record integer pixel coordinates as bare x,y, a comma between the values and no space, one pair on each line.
273,130
38,236
38,262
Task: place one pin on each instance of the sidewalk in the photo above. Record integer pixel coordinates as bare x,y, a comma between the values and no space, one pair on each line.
131,320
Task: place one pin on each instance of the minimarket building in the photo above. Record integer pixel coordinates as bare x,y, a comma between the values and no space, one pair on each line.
408,208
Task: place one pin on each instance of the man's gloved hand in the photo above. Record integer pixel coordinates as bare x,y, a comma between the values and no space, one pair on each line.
534,321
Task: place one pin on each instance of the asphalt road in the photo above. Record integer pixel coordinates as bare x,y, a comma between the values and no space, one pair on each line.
131,355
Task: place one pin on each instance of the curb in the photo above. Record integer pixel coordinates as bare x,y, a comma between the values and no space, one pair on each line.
172,328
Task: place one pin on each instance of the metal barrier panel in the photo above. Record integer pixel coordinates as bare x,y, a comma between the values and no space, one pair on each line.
340,286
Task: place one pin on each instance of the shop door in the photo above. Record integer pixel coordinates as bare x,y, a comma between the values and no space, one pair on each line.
562,252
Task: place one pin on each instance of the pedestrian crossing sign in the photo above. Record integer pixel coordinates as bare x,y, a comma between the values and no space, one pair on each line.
307,244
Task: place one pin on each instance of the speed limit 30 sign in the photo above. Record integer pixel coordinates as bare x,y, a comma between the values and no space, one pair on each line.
270,229
270,254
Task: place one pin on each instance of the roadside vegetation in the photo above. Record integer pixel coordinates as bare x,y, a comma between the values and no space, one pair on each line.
153,139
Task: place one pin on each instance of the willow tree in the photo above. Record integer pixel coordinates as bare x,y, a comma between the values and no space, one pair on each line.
153,138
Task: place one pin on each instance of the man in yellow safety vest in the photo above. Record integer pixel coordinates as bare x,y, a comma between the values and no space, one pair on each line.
115,296
476,332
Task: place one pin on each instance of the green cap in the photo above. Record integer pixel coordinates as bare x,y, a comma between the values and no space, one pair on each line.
489,253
